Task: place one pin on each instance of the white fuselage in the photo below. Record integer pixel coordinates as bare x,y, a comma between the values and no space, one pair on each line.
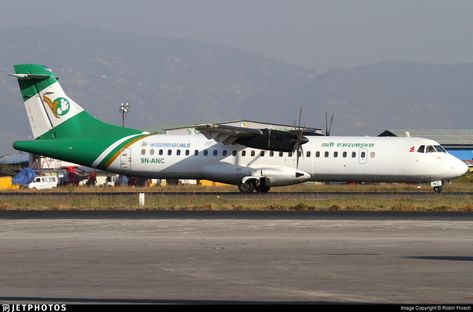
368,159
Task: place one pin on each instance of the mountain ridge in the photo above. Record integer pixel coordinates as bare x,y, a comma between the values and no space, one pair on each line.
179,81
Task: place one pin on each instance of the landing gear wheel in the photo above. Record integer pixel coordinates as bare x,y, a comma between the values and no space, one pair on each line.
262,189
438,189
246,187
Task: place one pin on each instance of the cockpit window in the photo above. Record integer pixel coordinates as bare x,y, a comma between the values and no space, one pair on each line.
421,149
440,149
430,149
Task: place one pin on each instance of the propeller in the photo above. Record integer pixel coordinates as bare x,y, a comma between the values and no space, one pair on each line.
300,139
328,126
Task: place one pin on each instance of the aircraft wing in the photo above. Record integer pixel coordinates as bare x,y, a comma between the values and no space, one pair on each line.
227,134
267,139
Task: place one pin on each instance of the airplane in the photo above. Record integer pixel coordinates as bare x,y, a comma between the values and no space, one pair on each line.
253,159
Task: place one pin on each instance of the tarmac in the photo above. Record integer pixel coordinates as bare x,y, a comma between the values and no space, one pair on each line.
241,257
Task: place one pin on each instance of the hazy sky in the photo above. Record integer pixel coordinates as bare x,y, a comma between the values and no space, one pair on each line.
309,33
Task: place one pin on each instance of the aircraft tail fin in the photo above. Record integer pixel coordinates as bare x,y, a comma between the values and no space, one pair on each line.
46,103
60,126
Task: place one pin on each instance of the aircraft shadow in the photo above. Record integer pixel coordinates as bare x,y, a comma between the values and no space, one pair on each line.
80,300
443,258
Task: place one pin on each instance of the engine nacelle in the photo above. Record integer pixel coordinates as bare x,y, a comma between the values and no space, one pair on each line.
278,176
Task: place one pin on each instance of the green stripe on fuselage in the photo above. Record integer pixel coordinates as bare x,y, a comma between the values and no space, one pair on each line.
106,162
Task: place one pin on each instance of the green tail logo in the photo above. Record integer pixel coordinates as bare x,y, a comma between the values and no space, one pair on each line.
59,106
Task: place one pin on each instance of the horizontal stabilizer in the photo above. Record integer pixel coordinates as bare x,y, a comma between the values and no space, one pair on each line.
30,76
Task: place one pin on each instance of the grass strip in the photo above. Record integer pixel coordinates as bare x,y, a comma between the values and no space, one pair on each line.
220,203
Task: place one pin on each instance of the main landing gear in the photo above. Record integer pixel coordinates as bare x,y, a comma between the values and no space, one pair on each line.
260,186
247,187
438,189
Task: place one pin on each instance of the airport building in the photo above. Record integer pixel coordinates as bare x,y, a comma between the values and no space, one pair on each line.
458,142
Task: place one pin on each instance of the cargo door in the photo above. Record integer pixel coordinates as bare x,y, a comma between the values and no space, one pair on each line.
125,159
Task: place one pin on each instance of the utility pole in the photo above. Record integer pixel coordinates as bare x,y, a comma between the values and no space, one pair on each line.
124,109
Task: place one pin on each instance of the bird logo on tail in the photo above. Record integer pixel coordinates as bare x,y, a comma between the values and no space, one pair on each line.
59,106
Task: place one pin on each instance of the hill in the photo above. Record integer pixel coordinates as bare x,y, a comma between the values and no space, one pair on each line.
177,81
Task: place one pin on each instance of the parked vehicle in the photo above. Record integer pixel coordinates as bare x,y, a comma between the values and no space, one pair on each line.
43,183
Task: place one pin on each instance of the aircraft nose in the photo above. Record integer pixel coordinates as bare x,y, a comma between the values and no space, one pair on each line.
459,167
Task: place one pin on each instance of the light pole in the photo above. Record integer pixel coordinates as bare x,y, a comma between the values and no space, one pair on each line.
124,109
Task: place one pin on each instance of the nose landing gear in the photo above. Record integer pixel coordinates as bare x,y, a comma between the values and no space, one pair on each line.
438,189
437,186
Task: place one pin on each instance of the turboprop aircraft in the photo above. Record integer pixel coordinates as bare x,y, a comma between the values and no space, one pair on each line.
253,159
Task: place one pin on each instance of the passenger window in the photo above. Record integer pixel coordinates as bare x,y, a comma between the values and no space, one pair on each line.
143,151
353,154
372,154
187,152
224,153
215,152
253,153
178,152
234,153
344,154
326,154
289,154
169,152
262,153
307,154
363,154
160,152
196,152
271,154
281,154
335,154
299,154
421,149
151,152
317,154
243,153
206,152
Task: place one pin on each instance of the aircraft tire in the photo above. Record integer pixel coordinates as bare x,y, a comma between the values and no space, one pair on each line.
247,187
438,189
264,189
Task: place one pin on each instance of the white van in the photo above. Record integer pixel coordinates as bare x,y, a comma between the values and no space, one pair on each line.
43,183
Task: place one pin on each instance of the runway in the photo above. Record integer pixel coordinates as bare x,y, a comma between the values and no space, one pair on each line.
126,257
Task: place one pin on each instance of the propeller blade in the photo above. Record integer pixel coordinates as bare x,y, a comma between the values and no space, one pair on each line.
269,138
330,124
326,122
300,151
300,117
